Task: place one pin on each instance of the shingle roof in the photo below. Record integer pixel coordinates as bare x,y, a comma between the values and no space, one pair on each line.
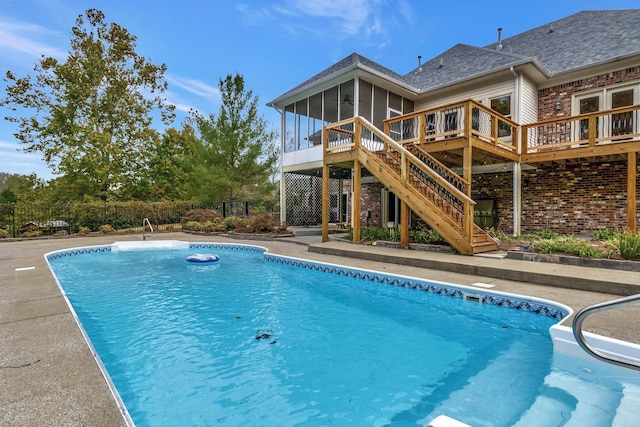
460,62
348,62
580,40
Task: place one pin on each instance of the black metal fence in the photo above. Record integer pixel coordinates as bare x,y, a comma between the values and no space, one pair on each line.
18,220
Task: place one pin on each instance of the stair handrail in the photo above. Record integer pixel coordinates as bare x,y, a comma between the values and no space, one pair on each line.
414,159
595,308
146,221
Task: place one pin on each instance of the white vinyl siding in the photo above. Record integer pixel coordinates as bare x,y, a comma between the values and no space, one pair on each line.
481,94
528,102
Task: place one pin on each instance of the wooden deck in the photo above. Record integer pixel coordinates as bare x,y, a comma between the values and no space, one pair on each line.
416,153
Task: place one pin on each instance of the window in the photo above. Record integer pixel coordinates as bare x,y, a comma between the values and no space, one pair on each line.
502,105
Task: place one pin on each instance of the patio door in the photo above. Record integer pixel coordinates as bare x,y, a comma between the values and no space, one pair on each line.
586,104
622,123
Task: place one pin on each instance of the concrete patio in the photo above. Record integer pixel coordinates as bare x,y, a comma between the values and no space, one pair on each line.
49,377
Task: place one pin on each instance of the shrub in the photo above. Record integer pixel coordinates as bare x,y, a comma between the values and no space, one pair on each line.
106,229
569,245
370,234
229,223
201,215
263,223
211,227
4,233
425,236
546,234
628,244
604,235
191,226
83,231
32,234
495,233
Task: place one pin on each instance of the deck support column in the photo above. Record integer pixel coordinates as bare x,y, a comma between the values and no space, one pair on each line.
404,225
467,174
517,198
631,190
325,203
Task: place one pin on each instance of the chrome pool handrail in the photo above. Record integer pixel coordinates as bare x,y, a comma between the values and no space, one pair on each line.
595,308
146,222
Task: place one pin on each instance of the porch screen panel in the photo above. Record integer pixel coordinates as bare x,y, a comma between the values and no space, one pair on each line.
331,105
289,129
315,119
379,107
366,100
302,125
346,100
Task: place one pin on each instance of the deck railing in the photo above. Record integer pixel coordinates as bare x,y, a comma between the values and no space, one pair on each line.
471,119
461,119
449,196
586,130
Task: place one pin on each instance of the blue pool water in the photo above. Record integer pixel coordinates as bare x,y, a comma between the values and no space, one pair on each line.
249,341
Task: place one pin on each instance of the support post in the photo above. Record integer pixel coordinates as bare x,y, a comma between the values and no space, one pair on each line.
517,198
467,171
631,190
404,225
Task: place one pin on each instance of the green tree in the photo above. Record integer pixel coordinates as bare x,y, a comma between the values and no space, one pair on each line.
168,171
8,196
91,116
237,154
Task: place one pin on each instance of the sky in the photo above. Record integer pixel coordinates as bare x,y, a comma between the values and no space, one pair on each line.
274,44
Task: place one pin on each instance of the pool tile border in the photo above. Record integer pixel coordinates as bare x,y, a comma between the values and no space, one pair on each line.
505,301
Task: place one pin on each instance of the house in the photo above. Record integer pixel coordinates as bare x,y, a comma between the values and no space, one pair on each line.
536,131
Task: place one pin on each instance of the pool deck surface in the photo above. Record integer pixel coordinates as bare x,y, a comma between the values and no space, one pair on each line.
49,377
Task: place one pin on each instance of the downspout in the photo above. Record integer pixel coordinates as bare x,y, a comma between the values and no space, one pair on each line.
517,166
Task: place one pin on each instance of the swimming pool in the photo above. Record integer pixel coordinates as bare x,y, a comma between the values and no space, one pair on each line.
258,339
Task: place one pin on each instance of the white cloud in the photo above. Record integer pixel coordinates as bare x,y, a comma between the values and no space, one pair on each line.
196,87
28,39
182,90
326,18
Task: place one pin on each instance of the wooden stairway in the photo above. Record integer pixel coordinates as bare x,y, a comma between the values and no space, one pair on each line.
430,189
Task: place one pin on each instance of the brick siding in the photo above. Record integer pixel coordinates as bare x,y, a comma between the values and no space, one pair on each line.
548,97
578,198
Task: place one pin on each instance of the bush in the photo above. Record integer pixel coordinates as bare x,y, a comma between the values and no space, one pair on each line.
263,223
201,215
106,229
569,245
546,234
628,244
427,236
83,231
370,234
4,233
604,235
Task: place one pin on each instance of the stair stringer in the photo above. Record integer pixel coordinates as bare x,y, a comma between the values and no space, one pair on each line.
417,202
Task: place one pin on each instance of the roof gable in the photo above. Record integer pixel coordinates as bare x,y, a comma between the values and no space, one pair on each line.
346,64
